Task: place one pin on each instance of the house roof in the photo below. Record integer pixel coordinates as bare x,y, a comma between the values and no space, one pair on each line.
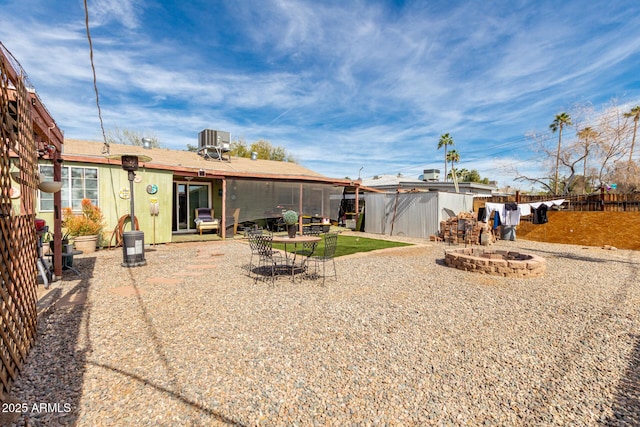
395,182
189,163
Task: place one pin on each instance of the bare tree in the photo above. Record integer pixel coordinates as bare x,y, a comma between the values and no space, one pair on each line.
604,138
546,156
570,158
588,136
129,137
544,181
626,175
614,131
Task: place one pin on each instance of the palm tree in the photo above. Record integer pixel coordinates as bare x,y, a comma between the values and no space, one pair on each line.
587,134
561,120
635,113
454,157
445,139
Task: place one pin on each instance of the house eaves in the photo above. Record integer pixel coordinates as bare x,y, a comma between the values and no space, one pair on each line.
188,163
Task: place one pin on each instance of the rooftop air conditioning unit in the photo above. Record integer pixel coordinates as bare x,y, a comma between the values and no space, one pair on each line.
213,138
431,175
214,143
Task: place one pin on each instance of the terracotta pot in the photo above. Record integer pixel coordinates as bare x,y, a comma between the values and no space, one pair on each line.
86,244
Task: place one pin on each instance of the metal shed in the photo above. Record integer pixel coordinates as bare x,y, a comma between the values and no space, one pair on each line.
415,214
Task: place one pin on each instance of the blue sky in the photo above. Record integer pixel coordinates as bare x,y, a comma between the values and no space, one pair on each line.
341,85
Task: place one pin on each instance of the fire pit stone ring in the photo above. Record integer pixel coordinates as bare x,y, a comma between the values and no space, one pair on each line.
496,262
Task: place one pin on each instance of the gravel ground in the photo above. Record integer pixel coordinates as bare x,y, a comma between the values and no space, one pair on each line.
398,339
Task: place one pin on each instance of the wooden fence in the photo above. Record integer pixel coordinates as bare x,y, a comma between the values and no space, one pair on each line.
18,244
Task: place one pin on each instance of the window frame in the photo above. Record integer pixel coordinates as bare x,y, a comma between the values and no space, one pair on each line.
69,187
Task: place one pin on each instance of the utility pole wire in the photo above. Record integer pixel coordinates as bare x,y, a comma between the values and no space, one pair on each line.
105,149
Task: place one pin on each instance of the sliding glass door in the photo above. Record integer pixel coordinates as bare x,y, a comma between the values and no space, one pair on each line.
186,198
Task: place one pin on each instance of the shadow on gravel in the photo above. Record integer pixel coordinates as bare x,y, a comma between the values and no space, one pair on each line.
161,353
56,366
213,414
578,257
626,407
50,384
441,261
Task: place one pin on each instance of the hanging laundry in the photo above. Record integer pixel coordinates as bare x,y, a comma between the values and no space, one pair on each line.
540,214
511,214
525,209
496,220
482,214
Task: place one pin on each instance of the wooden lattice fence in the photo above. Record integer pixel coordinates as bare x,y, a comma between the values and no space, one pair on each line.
18,244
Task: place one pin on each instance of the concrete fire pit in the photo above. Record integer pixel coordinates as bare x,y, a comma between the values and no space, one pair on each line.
496,262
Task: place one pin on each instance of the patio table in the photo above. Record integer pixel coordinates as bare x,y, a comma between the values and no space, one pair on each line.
299,239
67,260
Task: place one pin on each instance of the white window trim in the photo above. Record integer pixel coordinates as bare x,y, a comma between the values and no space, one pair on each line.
67,185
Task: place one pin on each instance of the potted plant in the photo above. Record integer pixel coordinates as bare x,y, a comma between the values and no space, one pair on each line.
85,228
66,246
290,218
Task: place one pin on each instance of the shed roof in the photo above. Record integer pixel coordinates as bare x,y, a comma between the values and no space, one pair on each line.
189,163
395,182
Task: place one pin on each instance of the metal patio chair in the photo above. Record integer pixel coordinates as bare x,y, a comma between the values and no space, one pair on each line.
326,255
269,260
308,248
253,245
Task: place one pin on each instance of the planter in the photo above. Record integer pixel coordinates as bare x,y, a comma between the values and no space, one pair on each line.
66,246
291,230
50,186
86,244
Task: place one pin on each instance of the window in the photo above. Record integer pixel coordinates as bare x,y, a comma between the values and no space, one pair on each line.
77,183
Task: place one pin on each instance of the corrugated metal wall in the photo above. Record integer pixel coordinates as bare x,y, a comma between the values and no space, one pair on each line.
455,202
411,214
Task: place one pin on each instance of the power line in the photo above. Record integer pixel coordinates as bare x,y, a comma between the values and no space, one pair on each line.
105,149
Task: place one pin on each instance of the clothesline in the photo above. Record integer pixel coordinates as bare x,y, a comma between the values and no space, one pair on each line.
510,212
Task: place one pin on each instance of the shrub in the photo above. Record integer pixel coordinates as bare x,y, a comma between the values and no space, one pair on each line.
90,222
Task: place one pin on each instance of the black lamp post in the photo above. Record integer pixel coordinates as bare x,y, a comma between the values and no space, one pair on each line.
130,164
132,241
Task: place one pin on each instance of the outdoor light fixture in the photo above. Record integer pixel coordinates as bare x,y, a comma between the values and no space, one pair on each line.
133,241
129,163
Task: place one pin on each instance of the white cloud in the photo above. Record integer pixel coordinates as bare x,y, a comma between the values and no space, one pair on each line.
341,85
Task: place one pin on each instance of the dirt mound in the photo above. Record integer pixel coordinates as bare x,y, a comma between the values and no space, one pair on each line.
618,229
